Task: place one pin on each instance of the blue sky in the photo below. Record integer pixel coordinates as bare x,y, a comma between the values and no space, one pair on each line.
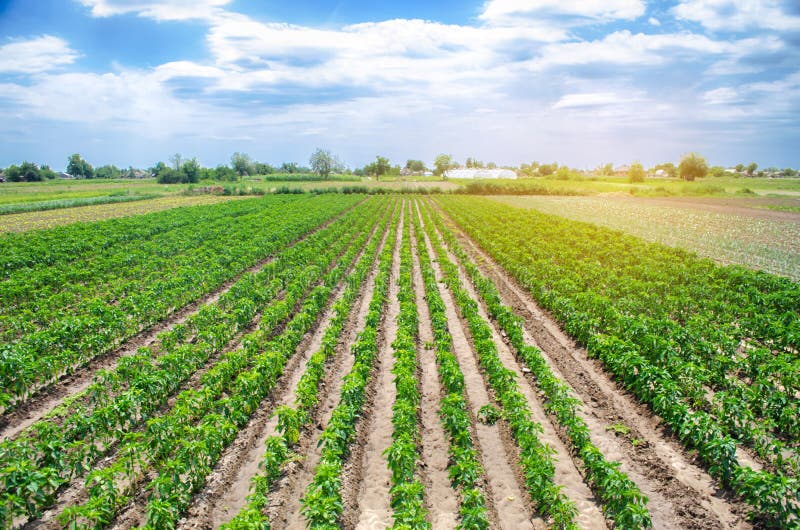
581,82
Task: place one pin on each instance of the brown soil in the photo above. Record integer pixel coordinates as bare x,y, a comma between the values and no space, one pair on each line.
567,474
682,494
441,499
284,510
228,486
508,502
370,508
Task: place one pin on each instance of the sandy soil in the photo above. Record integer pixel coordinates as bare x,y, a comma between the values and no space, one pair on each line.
441,499
506,493
682,494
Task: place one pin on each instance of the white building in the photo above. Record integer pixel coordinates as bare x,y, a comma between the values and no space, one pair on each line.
480,174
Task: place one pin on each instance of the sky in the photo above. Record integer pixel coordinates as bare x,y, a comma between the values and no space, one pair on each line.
578,82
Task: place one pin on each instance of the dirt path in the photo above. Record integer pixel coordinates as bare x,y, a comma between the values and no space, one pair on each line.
567,474
228,486
42,402
372,500
284,511
682,495
506,495
441,499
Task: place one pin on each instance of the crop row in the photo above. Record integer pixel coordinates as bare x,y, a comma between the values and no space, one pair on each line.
536,458
78,326
407,491
181,448
464,468
322,501
642,325
621,499
52,451
292,420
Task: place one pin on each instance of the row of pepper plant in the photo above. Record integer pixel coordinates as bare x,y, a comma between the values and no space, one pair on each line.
67,444
466,473
621,499
181,447
402,456
96,303
322,501
644,309
535,458
293,420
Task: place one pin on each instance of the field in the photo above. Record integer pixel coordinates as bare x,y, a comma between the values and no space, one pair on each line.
759,233
343,360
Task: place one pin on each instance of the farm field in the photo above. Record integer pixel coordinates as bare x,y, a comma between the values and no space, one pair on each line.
37,220
758,233
333,360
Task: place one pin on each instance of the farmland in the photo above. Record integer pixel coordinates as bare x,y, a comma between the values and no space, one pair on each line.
343,360
750,236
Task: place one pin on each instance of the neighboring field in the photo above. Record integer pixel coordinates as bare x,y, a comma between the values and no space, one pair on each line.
36,220
721,231
365,362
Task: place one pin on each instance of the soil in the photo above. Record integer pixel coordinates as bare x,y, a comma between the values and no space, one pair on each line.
681,493
441,500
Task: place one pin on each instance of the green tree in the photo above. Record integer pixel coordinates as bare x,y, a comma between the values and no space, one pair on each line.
191,170
415,166
323,163
78,167
381,166
242,164
692,166
442,163
13,173
739,168
29,172
107,172
636,172
751,169
46,172
669,168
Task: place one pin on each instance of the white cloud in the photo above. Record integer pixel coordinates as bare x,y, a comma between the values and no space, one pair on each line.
394,55
625,48
157,9
35,55
653,21
506,11
591,99
740,15
723,95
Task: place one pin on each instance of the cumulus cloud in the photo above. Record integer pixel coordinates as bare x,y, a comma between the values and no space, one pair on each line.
507,11
737,15
35,55
157,9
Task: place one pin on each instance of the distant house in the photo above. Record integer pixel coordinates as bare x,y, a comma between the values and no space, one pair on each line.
660,173
63,175
135,174
480,174
2,177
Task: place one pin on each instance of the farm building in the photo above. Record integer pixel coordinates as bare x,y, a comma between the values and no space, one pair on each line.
480,174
